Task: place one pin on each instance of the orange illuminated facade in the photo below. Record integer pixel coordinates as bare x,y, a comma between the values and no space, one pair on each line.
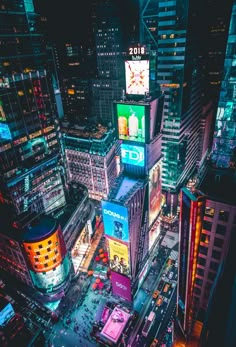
192,205
46,254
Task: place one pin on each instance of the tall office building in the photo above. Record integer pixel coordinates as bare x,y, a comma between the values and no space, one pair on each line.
224,142
172,30
31,174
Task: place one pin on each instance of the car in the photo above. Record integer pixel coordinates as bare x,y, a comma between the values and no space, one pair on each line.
167,286
159,301
155,294
154,343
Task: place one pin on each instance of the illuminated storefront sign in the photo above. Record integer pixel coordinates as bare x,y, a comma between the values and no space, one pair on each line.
133,155
115,219
119,257
154,192
137,76
47,254
121,286
131,122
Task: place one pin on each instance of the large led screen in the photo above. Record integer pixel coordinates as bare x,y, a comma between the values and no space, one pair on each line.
5,133
121,286
131,122
133,155
115,220
137,77
115,324
119,257
6,314
47,254
154,192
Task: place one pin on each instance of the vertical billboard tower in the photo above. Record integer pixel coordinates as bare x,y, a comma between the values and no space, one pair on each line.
133,205
192,205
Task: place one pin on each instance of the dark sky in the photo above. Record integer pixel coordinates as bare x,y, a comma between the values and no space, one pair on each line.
70,19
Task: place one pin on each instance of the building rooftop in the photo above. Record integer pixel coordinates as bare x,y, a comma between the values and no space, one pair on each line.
219,185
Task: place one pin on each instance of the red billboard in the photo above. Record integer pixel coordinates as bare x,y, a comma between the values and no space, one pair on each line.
121,286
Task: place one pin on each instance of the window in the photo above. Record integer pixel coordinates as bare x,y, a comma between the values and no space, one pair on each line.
197,290
29,247
209,211
207,225
49,242
218,242
211,276
48,249
203,250
45,265
46,257
40,246
38,253
201,261
205,238
216,254
199,281
214,266
200,271
220,229
223,215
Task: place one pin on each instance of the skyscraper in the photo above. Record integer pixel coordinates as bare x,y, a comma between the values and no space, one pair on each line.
172,30
31,176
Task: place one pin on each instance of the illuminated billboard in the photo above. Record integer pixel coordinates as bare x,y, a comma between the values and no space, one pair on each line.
54,279
133,155
154,192
137,77
119,257
131,122
115,220
121,286
6,314
5,133
46,254
115,324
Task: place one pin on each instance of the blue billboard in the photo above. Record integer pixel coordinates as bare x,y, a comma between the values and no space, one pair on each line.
115,219
5,133
133,155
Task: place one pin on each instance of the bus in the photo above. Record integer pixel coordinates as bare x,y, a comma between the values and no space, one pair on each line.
148,324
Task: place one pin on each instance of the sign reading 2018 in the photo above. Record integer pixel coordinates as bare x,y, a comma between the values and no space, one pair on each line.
139,50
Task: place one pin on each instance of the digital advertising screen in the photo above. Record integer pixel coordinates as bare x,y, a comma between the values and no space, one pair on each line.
119,257
131,122
137,77
5,133
6,314
154,192
115,220
46,254
115,324
121,286
53,279
133,155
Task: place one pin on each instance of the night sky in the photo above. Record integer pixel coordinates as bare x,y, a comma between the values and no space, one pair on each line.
70,19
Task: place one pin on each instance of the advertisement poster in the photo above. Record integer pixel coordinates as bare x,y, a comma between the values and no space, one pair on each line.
115,219
137,77
131,122
154,192
133,155
119,257
121,286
